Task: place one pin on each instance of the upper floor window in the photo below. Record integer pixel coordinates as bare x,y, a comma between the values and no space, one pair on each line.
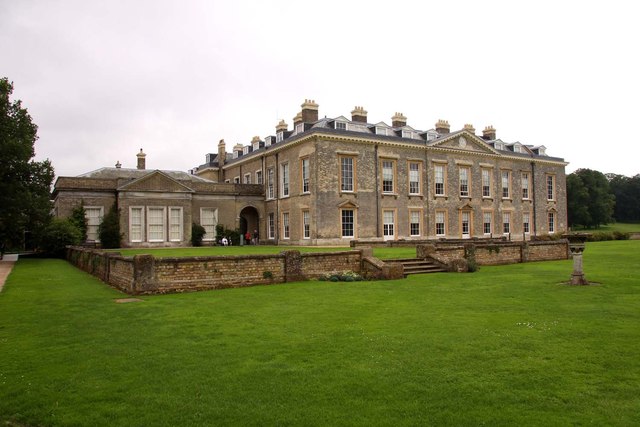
439,179
341,125
300,128
407,134
464,181
285,225
284,169
525,185
259,177
381,130
347,174
305,175
486,183
280,136
247,178
388,174
270,184
414,177
551,185
506,184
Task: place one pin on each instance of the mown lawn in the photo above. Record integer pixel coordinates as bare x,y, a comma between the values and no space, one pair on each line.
623,227
507,345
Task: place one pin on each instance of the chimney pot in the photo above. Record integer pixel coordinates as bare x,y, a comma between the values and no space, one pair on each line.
141,160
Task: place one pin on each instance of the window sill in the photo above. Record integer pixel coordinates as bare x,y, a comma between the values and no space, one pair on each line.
487,198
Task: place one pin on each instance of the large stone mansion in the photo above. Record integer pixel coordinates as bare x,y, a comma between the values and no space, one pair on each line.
328,181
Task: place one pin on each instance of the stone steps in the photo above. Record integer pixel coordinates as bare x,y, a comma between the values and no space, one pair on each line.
418,266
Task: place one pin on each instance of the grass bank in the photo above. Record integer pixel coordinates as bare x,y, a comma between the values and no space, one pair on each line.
507,345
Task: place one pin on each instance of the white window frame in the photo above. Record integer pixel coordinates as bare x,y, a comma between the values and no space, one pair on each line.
551,222
388,227
439,178
487,219
209,237
381,130
486,183
271,226
505,178
151,224
286,226
306,224
415,177
259,177
550,182
388,166
180,231
352,223
284,180
526,219
506,222
443,222
412,222
525,185
347,170
91,219
247,178
464,174
132,225
305,172
341,125
271,193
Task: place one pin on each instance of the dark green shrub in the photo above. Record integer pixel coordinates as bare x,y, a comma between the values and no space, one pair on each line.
197,233
267,275
56,236
619,235
109,229
79,219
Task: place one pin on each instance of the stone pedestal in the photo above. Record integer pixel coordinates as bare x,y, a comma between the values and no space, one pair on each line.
576,246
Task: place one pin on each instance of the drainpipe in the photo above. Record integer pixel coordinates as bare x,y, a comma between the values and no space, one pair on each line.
377,191
277,191
533,190
425,193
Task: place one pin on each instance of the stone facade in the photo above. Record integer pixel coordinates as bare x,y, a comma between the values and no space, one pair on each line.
331,181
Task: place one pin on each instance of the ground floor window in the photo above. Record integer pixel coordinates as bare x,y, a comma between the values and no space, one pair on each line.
306,225
441,229
175,224
486,222
552,222
465,223
389,226
136,224
209,220
155,224
506,222
271,229
348,223
526,222
285,225
94,218
414,222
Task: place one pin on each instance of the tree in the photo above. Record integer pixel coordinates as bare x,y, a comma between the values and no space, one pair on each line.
59,234
589,190
109,229
627,193
79,219
25,184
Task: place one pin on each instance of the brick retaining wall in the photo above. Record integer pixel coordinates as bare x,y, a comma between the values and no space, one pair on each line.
145,274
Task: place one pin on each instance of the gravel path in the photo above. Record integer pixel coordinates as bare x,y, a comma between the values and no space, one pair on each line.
6,264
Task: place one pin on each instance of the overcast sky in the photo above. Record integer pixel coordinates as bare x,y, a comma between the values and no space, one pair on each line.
103,79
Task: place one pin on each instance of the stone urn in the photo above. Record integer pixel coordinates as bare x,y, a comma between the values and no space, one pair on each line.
576,246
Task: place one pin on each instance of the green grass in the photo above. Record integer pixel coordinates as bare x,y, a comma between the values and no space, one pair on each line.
505,346
622,227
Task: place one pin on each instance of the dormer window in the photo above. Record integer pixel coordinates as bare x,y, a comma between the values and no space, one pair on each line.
280,136
299,128
517,148
267,141
407,134
341,126
381,130
499,146
245,150
542,151
432,135
256,145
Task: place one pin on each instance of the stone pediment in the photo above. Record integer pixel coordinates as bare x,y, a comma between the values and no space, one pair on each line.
348,204
464,141
156,181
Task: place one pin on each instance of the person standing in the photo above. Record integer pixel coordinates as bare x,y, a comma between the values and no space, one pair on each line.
247,237
255,237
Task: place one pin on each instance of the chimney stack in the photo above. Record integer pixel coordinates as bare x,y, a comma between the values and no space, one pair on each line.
469,128
398,120
222,153
141,160
359,115
489,133
309,113
282,126
442,127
